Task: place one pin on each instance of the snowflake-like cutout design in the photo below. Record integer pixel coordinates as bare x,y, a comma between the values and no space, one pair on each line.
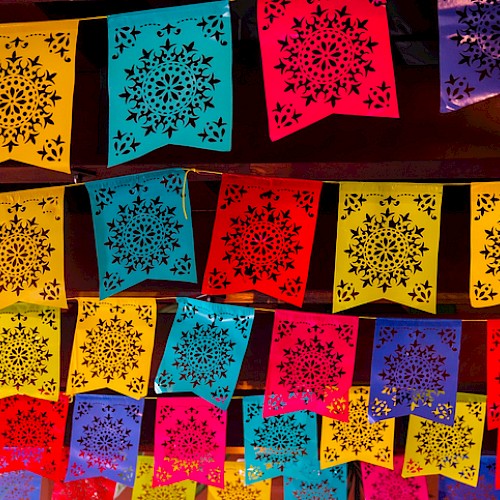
491,251
413,374
391,485
25,252
315,491
169,492
190,444
478,37
18,485
28,97
26,429
143,235
262,243
169,88
104,442
204,354
386,250
311,367
238,491
444,446
358,435
483,491
24,356
112,348
280,440
326,56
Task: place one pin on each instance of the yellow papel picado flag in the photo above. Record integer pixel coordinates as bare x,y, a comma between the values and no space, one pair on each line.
37,74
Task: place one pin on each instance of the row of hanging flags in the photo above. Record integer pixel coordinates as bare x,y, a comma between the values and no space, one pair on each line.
170,73
387,239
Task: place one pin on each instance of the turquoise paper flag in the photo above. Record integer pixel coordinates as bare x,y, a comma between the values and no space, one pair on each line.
205,350
143,229
169,80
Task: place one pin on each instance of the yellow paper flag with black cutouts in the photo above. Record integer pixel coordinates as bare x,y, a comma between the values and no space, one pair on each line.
37,74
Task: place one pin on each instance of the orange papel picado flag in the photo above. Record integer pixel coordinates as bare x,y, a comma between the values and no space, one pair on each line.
113,346
37,74
387,244
485,244
32,247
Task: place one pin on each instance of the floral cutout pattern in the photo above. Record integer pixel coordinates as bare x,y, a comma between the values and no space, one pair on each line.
29,351
387,244
20,485
113,346
357,439
32,247
318,484
469,55
32,435
323,57
485,489
205,350
279,445
95,488
380,483
170,80
105,438
311,363
190,442
452,451
37,74
415,369
141,231
485,244
493,373
235,487
143,489
263,236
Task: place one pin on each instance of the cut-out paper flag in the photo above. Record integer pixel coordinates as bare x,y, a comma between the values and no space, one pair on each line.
20,485
328,484
235,487
169,80
113,346
95,488
357,439
485,244
454,450
485,489
29,351
263,236
37,74
469,52
493,373
32,247
387,244
190,442
141,230
32,435
415,369
380,483
282,445
311,363
143,486
324,57
105,438
205,350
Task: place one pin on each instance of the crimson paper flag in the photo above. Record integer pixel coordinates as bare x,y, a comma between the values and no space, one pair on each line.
32,435
415,369
493,373
469,51
311,363
105,437
263,236
380,483
190,442
324,57
95,488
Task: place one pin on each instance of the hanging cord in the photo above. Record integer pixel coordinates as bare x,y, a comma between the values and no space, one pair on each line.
184,187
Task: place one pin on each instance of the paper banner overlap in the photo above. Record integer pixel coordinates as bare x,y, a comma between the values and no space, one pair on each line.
20,485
